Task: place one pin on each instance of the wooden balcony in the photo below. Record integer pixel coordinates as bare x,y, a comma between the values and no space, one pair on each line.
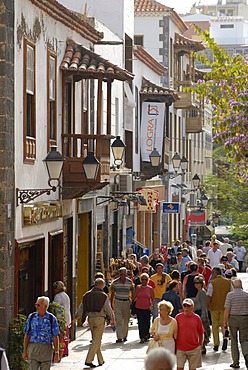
187,99
75,147
194,121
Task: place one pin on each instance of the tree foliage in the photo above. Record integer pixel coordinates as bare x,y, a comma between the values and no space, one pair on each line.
225,86
229,195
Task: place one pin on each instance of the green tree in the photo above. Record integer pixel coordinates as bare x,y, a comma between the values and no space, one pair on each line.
229,196
225,86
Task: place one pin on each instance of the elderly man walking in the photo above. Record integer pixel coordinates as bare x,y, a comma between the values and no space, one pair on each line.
121,300
236,318
217,291
41,335
190,337
96,306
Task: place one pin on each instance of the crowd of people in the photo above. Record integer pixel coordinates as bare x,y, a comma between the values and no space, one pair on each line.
176,309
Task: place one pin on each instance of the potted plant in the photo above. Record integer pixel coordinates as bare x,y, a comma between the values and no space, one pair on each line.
59,312
16,335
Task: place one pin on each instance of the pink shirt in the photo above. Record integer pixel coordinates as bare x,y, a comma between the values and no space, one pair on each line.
143,298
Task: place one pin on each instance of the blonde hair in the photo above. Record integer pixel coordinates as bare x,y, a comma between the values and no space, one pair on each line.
167,305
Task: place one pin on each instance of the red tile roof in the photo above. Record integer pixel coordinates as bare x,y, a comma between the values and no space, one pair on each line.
81,61
60,13
149,6
141,54
181,42
150,88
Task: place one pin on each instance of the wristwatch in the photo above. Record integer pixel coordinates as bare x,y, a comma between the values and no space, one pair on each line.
56,351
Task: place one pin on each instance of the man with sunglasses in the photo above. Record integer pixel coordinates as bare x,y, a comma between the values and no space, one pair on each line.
190,337
41,337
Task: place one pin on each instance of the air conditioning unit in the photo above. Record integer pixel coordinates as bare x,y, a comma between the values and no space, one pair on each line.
126,183
192,199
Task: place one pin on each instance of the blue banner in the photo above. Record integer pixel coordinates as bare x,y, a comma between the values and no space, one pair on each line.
170,207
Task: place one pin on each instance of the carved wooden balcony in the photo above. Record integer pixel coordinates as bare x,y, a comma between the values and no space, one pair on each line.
75,147
194,121
187,99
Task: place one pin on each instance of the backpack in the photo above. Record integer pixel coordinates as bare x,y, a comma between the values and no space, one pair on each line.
31,318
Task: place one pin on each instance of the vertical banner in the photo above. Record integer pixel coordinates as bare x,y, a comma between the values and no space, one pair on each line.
152,128
151,197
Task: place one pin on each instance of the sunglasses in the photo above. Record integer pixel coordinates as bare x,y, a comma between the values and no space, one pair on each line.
144,279
186,305
197,282
37,305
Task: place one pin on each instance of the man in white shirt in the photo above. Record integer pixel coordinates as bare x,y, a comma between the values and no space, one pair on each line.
232,261
240,252
224,246
214,255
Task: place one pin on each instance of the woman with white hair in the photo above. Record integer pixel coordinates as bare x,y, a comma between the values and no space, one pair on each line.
164,328
159,359
62,298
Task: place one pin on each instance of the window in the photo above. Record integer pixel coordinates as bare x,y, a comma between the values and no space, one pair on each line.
139,40
51,101
29,109
227,26
85,96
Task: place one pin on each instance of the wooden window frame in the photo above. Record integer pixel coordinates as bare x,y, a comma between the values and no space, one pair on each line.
51,140
29,141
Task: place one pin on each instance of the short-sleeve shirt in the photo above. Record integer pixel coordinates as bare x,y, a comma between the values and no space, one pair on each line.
41,330
190,330
160,287
122,290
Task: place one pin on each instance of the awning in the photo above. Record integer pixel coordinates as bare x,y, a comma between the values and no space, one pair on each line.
184,43
151,89
84,63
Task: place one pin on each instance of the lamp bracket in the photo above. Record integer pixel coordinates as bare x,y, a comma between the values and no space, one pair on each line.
187,191
27,195
173,175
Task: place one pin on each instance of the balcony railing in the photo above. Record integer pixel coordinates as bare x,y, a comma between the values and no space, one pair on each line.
75,147
187,99
194,121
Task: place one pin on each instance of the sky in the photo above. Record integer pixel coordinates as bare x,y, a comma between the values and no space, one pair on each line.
183,6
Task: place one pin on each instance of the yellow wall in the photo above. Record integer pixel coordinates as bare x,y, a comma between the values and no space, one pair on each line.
83,257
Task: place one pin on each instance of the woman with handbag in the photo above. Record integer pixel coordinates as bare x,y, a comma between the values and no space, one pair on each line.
200,308
143,297
164,328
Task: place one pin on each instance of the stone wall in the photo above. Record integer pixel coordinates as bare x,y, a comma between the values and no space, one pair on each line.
7,176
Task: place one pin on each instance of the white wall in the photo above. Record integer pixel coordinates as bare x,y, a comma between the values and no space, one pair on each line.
223,36
117,14
149,27
34,176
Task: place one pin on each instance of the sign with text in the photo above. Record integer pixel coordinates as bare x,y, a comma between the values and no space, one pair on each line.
151,197
169,207
152,128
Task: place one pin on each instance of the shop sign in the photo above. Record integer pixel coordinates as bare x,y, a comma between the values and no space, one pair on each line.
41,212
169,207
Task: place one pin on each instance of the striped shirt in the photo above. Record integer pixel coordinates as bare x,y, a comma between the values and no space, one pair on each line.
122,290
237,301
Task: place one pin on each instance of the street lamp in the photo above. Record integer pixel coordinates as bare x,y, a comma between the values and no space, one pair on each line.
176,161
155,158
118,148
204,200
196,181
54,164
91,166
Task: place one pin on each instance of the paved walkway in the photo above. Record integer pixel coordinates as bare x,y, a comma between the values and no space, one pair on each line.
130,355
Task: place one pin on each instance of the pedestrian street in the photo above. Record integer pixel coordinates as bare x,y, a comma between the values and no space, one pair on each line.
130,355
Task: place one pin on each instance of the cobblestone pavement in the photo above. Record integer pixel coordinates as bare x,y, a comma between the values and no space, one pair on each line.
130,355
